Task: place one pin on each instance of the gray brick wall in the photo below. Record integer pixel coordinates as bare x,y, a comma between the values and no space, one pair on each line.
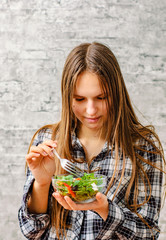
35,38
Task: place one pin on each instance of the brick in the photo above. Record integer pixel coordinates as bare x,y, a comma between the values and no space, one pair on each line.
35,39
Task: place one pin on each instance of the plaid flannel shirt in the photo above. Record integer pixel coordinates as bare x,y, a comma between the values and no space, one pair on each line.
121,223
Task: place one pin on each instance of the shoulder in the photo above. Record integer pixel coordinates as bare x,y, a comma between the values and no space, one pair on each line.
149,150
42,134
148,142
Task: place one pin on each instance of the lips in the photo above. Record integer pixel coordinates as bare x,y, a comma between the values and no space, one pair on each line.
92,120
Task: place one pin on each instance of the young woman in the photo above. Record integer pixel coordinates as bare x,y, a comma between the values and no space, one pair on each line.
100,132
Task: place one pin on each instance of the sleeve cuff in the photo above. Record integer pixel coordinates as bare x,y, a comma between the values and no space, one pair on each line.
114,220
26,195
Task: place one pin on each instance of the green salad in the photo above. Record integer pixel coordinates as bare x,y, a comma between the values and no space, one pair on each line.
79,189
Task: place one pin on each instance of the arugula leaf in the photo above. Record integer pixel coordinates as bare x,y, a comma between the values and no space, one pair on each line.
80,188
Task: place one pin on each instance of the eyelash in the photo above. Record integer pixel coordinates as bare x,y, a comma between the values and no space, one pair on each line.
102,98
81,99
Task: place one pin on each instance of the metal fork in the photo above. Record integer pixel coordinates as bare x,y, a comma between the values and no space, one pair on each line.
69,166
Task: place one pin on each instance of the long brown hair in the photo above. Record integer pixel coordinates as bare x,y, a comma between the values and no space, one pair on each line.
123,129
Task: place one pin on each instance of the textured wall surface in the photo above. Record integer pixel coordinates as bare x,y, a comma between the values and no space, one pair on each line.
35,38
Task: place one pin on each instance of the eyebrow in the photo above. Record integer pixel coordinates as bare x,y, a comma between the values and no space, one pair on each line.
76,95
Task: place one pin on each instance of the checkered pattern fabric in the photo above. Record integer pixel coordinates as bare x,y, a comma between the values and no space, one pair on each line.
121,223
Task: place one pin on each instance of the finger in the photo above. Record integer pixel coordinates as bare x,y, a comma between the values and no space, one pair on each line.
80,206
43,150
101,198
47,149
50,143
103,206
71,203
38,149
98,203
32,155
61,200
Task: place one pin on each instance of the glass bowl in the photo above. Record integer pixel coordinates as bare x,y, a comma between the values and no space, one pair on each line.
81,190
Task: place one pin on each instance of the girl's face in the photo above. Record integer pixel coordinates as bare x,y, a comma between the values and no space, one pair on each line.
89,102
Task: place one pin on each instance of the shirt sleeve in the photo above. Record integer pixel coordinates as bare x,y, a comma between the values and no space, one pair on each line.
121,223
33,226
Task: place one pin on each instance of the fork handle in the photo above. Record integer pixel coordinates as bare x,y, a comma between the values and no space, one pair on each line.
55,152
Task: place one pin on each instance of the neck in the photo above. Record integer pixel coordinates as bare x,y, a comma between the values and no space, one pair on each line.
92,142
91,134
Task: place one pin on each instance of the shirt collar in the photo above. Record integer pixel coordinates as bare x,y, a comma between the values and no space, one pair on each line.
76,144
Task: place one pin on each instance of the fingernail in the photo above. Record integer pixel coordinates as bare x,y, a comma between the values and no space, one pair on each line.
99,195
54,195
45,154
51,154
37,154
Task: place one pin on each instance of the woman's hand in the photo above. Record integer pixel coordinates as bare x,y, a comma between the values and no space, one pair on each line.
100,205
41,162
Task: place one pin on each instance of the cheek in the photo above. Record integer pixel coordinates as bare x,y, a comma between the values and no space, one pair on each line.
105,111
103,107
73,107
107,106
76,109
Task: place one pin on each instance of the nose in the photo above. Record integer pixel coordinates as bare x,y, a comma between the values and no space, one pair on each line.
91,108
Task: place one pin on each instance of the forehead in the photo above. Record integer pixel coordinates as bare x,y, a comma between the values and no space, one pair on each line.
88,83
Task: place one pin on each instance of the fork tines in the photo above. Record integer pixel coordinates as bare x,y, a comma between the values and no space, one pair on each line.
73,170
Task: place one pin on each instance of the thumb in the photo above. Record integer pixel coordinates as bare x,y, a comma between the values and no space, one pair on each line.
100,197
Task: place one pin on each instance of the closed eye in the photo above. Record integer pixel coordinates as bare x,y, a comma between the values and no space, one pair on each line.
79,99
102,98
